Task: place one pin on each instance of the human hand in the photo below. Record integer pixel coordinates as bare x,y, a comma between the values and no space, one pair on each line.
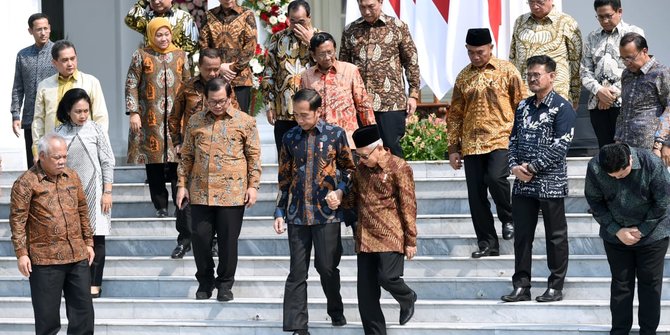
455,161
411,106
334,198
250,197
182,197
106,202
278,225
270,114
605,98
227,73
304,34
25,266
629,236
410,252
91,255
135,123
16,127
522,173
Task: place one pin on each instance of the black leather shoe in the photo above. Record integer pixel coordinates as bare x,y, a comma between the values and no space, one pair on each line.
339,321
161,213
301,332
224,295
204,292
519,294
406,313
508,231
485,253
179,251
550,295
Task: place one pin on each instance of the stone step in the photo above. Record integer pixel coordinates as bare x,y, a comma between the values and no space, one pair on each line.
277,245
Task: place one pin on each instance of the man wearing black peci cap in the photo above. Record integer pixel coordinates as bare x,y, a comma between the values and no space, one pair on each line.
486,93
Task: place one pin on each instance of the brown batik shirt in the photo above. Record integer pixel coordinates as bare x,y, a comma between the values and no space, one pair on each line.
233,33
49,218
382,50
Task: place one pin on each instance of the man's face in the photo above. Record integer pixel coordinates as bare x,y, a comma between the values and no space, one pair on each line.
66,63
325,55
53,161
218,101
481,55
539,80
160,6
299,17
41,30
368,156
632,58
305,117
228,4
623,173
370,9
209,68
608,17
540,8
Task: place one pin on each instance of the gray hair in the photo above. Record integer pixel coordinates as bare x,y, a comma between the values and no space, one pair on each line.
44,143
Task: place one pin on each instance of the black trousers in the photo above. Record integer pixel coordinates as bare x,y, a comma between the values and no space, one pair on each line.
73,280
327,243
482,172
157,176
281,127
98,265
525,212
374,270
227,223
28,138
626,262
391,127
604,124
243,95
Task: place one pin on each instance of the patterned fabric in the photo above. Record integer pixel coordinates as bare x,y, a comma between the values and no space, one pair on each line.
381,51
386,202
190,100
541,136
90,154
184,30
233,32
645,96
151,87
344,96
558,36
640,200
32,66
311,164
482,108
601,66
287,57
220,158
49,218
47,99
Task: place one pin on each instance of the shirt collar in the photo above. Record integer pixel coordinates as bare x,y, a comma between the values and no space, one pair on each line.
616,29
170,12
552,16
547,99
73,77
383,20
318,127
236,9
44,47
648,65
333,69
230,112
493,63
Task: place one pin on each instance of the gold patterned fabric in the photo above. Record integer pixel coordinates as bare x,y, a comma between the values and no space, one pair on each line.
558,36
382,50
481,115
184,29
233,33
151,87
220,158
49,217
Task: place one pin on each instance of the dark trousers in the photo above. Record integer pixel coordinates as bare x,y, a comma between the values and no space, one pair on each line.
525,211
391,127
604,124
98,265
374,270
227,223
243,95
73,280
327,253
157,176
28,138
482,172
281,127
627,262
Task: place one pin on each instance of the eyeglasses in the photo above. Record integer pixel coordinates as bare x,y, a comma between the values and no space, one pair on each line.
324,55
536,2
217,103
366,156
630,59
606,17
535,75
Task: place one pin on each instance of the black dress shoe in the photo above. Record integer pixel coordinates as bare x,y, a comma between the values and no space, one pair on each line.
508,231
339,321
204,292
301,332
519,294
406,313
485,252
224,295
96,295
161,213
179,251
550,295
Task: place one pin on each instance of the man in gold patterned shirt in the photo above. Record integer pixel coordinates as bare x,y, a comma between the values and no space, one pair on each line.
184,29
480,120
546,31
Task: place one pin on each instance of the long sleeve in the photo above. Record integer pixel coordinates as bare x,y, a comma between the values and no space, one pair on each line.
659,189
410,61
271,65
252,153
455,119
38,117
574,46
587,70
513,48
17,91
513,150
187,158
407,204
285,178
175,119
248,43
597,202
190,35
205,39
362,100
345,49
105,154
18,216
84,220
345,163
663,87
99,112
563,133
136,17
133,82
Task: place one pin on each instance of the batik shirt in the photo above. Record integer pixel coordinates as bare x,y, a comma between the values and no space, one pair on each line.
482,108
557,36
541,136
644,112
311,164
601,66
184,29
381,51
32,66
287,58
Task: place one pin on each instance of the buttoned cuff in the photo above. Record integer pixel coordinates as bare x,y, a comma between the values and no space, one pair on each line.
454,148
21,252
280,213
16,116
414,93
181,181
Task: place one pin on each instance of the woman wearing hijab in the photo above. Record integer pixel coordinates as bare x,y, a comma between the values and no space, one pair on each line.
90,155
156,74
